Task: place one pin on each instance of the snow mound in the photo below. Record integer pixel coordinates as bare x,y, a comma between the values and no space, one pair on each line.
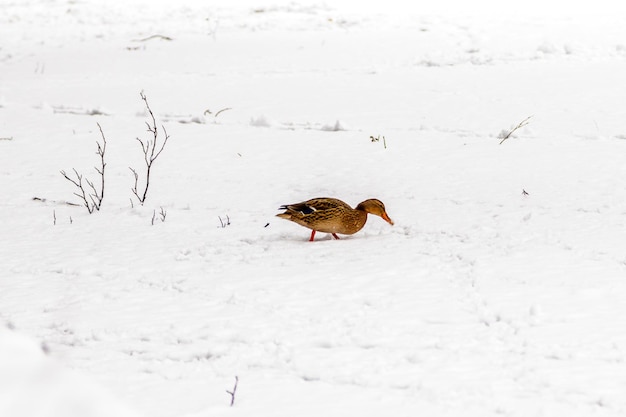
261,121
32,384
338,126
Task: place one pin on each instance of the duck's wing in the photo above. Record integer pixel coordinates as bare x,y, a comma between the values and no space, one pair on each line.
325,203
302,208
316,205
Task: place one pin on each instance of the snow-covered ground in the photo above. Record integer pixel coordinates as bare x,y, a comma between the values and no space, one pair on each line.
499,291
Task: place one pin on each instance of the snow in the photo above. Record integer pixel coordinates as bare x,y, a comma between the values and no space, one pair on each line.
32,384
498,291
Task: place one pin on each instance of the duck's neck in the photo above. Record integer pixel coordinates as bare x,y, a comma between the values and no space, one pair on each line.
363,206
361,216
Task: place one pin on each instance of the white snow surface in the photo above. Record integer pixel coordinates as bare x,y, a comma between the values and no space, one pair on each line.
499,291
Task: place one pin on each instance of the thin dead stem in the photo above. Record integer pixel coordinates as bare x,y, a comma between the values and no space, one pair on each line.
91,200
151,149
505,136
233,392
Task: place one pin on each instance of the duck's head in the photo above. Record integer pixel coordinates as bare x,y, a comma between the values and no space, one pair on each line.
375,206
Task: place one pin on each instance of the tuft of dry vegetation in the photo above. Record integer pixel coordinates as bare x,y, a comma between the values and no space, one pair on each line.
90,196
377,139
504,135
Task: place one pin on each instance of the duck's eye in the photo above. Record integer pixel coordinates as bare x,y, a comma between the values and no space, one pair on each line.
307,210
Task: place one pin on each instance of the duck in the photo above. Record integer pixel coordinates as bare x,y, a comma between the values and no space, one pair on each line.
331,215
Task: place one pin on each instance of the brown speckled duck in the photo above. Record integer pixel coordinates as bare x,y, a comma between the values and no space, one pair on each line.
330,215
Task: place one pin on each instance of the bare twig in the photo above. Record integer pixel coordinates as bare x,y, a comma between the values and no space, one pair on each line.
504,135
224,223
101,151
92,201
221,111
78,182
377,139
134,189
233,392
54,217
151,149
162,215
45,200
165,38
209,112
213,29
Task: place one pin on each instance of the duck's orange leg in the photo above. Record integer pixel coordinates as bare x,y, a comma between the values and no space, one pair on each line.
335,236
312,235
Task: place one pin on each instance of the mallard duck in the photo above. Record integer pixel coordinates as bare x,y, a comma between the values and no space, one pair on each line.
330,215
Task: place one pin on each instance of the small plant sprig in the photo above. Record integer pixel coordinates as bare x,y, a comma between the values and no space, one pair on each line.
91,200
213,25
54,218
162,215
233,392
223,222
209,112
151,150
377,139
504,135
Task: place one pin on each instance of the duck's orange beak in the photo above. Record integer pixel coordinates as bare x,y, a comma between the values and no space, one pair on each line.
387,219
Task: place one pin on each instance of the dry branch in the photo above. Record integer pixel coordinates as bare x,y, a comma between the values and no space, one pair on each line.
91,200
504,136
165,38
233,392
151,149
377,139
224,223
78,182
101,151
162,215
209,112
45,200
